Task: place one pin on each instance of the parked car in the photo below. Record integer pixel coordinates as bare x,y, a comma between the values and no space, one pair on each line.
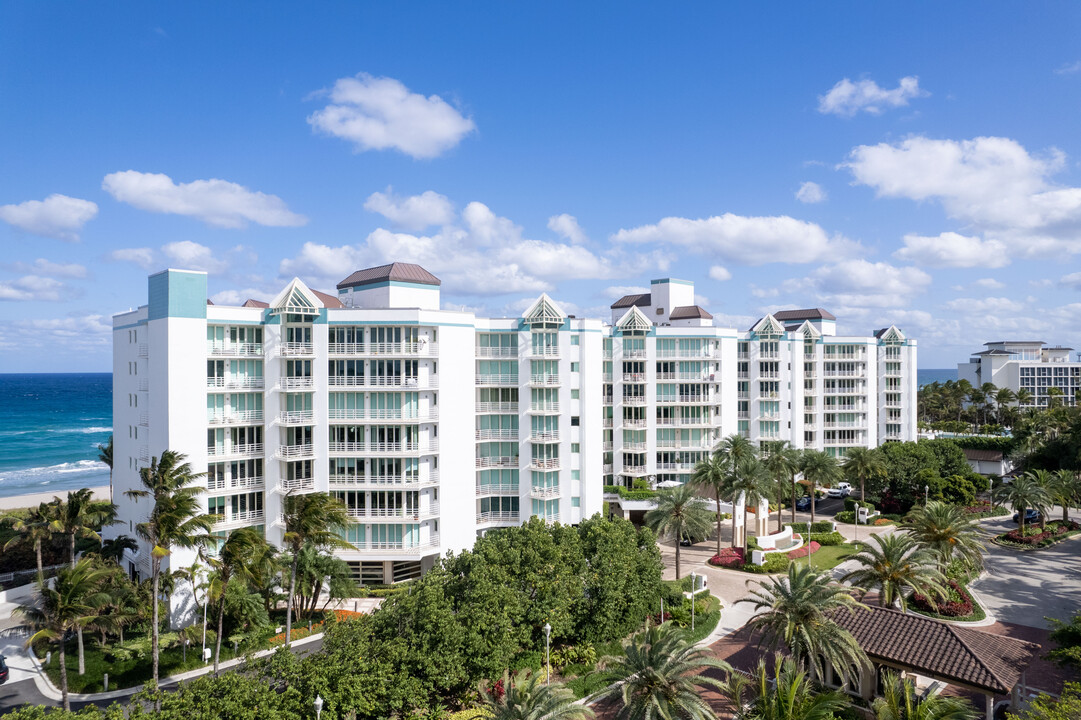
3,670
804,503
1031,516
842,490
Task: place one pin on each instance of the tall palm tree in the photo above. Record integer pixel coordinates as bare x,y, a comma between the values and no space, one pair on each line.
897,564
1064,487
1028,490
176,520
783,464
658,677
819,470
948,532
679,514
900,701
525,698
232,561
1004,397
786,693
105,455
33,530
712,475
70,603
734,449
750,482
314,518
795,616
1024,397
862,464
1054,397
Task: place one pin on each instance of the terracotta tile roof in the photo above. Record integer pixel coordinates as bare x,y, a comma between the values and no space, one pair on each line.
638,300
988,455
685,312
806,314
209,301
402,272
329,301
931,647
255,303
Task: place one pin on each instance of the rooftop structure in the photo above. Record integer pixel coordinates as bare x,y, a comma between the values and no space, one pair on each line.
1030,368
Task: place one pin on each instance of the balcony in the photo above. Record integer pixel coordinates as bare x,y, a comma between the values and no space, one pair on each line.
255,449
510,408
858,424
544,352
634,446
634,422
634,377
295,452
844,373
418,348
635,470
497,462
295,383
395,382
544,437
544,464
486,518
497,489
544,379
234,349
606,446
498,434
606,377
354,480
685,399
293,349
635,354
684,445
237,418
400,547
688,377
547,492
144,350
497,352
295,417
769,375
634,400
297,484
607,469
809,373
374,513
247,517
497,379
676,467
606,422
383,448
692,353
544,408
383,415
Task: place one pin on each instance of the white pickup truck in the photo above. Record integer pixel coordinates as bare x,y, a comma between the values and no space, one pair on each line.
842,490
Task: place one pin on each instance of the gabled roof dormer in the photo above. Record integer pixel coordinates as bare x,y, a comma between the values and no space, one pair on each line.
296,299
891,336
808,331
768,326
544,313
634,322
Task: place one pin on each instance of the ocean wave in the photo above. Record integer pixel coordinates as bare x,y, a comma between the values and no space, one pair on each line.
37,475
85,430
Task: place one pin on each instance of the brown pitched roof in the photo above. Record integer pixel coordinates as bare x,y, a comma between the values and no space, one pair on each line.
988,455
329,301
952,652
255,303
806,314
402,272
686,312
637,300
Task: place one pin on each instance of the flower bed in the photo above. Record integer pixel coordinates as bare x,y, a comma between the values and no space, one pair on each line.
958,605
297,634
804,551
1033,537
728,558
884,521
983,510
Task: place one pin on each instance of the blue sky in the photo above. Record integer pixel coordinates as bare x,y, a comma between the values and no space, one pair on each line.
912,163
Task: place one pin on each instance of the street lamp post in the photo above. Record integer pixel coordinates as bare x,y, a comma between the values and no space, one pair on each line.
925,489
318,706
693,576
547,652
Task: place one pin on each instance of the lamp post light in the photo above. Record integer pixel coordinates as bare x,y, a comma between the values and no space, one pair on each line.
548,653
693,576
318,706
925,489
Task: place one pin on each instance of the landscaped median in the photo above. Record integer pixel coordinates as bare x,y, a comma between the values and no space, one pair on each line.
1034,538
959,606
826,548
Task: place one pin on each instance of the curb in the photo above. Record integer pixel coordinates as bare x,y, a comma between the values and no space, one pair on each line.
46,687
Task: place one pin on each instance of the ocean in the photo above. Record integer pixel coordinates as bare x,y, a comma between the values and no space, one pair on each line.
926,376
50,428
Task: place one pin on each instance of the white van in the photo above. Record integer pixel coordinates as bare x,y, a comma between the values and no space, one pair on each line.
842,490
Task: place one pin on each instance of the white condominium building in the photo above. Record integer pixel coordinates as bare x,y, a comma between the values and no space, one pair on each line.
1025,365
434,425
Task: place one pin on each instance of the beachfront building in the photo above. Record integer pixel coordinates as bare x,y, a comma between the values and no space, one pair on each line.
1028,365
433,426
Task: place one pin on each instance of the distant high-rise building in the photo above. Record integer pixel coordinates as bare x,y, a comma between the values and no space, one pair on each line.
1028,365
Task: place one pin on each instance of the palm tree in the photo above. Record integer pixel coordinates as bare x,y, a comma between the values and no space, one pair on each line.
787,693
819,470
711,475
1024,397
679,514
71,603
783,464
734,449
1003,399
524,698
900,701
112,550
105,455
750,483
1064,488
897,564
231,562
314,518
1054,397
176,520
946,531
658,676
861,464
1028,490
34,529
796,615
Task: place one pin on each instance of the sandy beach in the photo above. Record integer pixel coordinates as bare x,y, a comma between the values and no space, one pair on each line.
34,499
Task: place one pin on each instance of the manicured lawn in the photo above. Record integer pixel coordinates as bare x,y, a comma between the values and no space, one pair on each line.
830,556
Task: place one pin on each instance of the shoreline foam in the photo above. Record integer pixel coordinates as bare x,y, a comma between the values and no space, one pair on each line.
15,502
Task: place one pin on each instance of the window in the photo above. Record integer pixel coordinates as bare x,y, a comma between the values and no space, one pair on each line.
574,339
575,421
575,366
576,502
576,447
576,394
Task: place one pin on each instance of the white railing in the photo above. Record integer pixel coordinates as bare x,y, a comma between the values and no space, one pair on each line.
634,377
419,347
296,383
544,379
248,516
296,484
399,547
295,417
544,464
497,489
685,445
394,513
238,383
382,481
396,381
606,377
544,492
607,422
296,348
687,399
844,373
856,424
381,414
221,451
809,373
547,351
490,352
544,437
144,419
296,451
634,354
144,350
704,352
144,384
497,407
634,422
690,377
606,446
497,379
769,375
246,482
683,421
497,462
215,382
633,470
497,434
634,400
551,408
606,469
497,517
383,447
240,349
676,466
346,381
634,446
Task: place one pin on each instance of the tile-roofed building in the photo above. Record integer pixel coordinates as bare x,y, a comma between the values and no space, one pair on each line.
329,301
635,300
255,303
790,316
395,272
690,312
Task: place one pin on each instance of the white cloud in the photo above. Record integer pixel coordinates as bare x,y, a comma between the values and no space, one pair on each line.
238,297
74,335
847,98
215,202
617,291
143,257
381,113
863,284
193,256
32,287
566,226
1069,68
41,266
1073,280
743,240
57,216
719,273
810,193
991,184
949,249
415,212
989,284
981,306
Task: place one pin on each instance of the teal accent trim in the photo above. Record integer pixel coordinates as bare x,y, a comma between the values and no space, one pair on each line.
673,281
406,322
141,323
322,318
269,319
211,321
177,294
394,283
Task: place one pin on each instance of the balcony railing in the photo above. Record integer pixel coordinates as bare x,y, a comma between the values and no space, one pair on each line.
144,350
392,415
688,377
246,517
497,379
497,434
383,448
297,484
497,517
634,377
498,407
295,417
346,381
685,444
497,489
144,419
296,383
685,399
684,421
296,348
235,349
634,400
236,418
703,352
419,347
227,450
634,354
542,408
497,462
374,513
400,547
607,469
544,464
144,384
292,452
606,422
546,352
634,446
384,381
676,466
342,480
544,492
544,379
501,352
634,422
633,470
544,437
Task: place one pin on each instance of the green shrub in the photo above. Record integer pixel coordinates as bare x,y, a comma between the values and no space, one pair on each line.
752,543
775,562
851,503
832,538
820,526
845,516
584,654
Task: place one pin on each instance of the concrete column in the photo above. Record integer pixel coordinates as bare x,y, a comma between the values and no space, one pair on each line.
388,572
990,703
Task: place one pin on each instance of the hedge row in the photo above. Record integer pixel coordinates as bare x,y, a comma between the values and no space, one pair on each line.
821,526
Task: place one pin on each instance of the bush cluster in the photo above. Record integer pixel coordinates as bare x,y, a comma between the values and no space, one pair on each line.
983,509
852,503
729,557
958,605
846,517
808,549
1039,539
820,526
